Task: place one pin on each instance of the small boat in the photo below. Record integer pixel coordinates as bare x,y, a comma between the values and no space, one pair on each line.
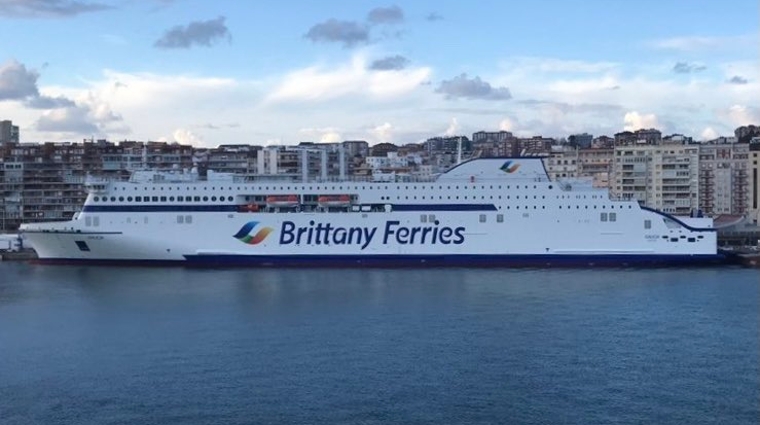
334,200
282,200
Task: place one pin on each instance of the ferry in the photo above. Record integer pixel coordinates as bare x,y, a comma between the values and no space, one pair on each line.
484,212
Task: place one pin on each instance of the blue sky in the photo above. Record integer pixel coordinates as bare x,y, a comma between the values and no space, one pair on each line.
265,72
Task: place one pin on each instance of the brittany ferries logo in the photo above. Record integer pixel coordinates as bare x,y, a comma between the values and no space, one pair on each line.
509,167
244,234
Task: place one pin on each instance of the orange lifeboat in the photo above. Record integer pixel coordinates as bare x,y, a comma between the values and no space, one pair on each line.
282,200
334,200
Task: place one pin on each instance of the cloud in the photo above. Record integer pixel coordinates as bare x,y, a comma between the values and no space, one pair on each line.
67,120
507,124
199,33
389,63
701,43
709,133
353,79
739,115
48,8
686,67
385,15
322,135
454,129
463,87
334,31
187,137
530,65
383,133
16,82
433,16
737,79
47,102
634,121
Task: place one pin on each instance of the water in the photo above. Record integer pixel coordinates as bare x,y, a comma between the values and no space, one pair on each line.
85,345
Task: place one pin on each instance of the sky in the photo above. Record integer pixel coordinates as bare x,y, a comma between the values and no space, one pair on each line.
284,72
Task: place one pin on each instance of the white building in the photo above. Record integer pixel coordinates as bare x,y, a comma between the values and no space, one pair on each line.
664,177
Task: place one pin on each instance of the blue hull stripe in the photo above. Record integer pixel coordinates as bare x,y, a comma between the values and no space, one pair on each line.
452,260
418,261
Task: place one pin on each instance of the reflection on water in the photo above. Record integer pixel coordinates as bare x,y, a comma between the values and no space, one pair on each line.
125,345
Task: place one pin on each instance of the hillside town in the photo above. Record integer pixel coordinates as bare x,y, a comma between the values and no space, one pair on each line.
43,181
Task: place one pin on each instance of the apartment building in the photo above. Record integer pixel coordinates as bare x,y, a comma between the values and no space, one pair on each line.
43,182
723,178
596,163
753,171
665,177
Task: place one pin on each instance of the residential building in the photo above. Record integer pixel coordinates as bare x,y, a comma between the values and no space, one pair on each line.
9,133
723,178
562,163
596,163
753,171
661,177
582,140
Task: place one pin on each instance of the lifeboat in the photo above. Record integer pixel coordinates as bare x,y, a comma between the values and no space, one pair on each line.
282,200
334,200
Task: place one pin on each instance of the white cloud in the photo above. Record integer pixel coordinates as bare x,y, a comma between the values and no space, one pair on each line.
709,133
546,65
507,124
185,136
635,121
700,43
322,135
383,133
739,115
317,84
454,128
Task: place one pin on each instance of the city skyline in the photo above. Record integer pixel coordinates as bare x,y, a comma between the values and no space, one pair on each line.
229,72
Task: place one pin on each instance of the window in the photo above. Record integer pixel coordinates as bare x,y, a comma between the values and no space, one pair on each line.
613,216
188,219
180,219
647,224
82,245
603,216
423,218
482,218
500,218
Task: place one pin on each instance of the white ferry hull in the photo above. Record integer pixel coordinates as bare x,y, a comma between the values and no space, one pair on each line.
492,226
